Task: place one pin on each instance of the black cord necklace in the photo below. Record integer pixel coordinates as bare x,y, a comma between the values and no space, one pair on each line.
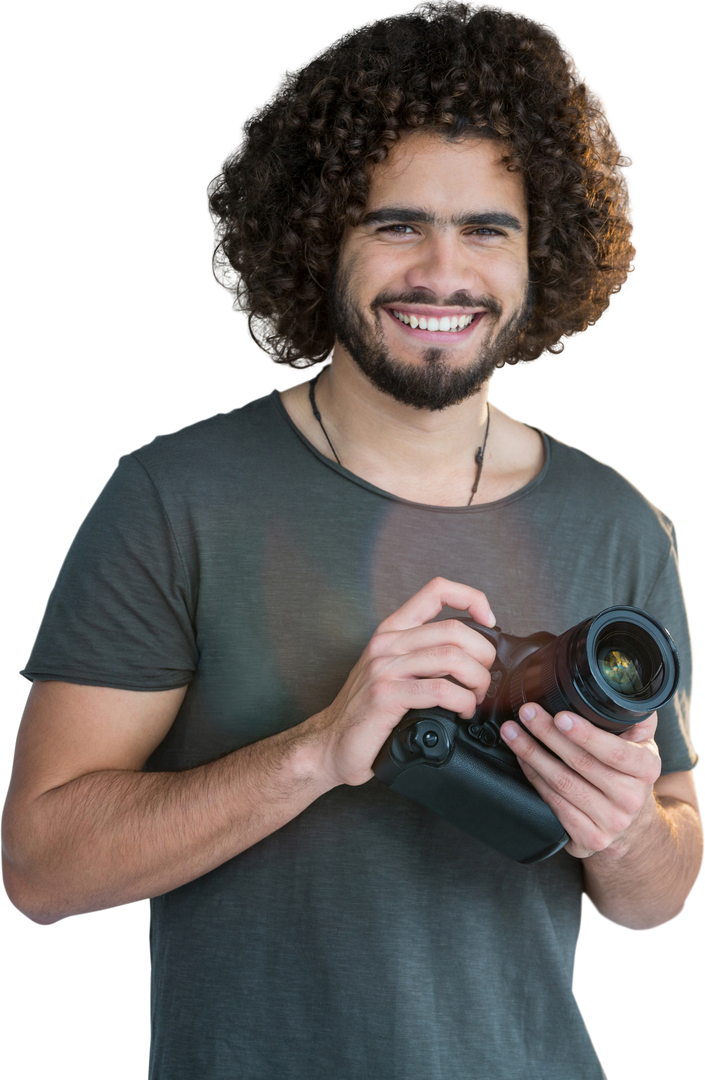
479,454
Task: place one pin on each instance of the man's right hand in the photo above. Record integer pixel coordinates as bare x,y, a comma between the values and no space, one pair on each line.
408,664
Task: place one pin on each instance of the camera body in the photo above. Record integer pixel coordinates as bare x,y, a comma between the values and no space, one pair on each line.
614,669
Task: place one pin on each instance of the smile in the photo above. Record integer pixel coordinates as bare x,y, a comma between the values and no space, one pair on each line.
422,323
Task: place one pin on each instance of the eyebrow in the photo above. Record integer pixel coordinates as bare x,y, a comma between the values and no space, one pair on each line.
407,215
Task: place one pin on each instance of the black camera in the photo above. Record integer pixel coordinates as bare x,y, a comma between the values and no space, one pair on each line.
614,669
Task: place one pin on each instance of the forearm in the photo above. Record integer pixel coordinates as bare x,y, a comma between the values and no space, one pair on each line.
643,878
109,838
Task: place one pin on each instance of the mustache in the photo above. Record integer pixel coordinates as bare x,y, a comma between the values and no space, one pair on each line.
457,300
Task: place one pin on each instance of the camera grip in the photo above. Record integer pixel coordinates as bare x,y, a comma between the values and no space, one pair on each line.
482,791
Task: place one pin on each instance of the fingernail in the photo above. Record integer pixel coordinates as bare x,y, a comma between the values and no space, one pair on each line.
564,722
527,713
493,620
509,732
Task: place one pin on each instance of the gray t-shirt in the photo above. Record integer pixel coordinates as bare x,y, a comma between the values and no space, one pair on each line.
367,938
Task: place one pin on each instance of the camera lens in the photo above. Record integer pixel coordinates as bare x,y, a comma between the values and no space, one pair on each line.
614,669
628,661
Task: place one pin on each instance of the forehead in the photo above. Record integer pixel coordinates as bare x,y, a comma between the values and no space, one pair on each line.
426,170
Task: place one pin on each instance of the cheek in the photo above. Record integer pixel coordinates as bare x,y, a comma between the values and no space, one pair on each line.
509,281
507,268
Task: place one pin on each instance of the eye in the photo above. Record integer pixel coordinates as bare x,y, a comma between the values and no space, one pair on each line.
479,229
397,230
485,230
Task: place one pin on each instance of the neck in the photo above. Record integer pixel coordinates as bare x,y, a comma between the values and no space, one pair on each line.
372,430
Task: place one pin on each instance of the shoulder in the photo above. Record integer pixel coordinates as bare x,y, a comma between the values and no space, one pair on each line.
590,481
254,424
255,419
226,460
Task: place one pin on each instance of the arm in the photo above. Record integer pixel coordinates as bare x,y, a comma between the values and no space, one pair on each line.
84,828
643,879
638,834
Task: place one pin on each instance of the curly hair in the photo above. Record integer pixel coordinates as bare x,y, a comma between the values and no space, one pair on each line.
284,199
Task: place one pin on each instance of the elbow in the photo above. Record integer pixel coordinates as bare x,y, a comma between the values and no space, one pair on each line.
639,926
34,918
26,898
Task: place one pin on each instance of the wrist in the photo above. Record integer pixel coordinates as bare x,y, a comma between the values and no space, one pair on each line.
311,755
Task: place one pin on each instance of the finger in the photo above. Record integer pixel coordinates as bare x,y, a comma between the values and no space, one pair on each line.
429,601
589,750
643,731
430,693
452,664
559,772
573,787
632,753
610,799
436,636
585,835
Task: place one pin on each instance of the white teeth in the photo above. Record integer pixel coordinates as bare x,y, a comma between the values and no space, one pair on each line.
446,324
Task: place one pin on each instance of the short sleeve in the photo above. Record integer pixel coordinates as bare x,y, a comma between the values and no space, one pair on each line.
667,602
121,613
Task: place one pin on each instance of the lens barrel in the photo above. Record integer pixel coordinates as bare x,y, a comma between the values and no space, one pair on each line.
614,669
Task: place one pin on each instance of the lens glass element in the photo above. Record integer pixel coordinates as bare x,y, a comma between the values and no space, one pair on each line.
620,672
629,661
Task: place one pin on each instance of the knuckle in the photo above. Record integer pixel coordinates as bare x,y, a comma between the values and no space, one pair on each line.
412,688
529,750
437,583
469,640
583,761
441,688
448,652
619,754
617,822
377,645
632,802
454,629
379,692
376,668
564,784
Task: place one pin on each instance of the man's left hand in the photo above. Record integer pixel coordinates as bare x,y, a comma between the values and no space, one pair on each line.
602,783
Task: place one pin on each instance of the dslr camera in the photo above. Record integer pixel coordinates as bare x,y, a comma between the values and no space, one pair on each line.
614,669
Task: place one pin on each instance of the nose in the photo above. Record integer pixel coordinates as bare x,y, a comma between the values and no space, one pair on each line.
443,266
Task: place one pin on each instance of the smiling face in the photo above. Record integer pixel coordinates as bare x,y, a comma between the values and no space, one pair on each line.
431,291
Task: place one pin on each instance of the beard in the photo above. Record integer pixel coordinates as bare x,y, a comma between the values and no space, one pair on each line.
435,384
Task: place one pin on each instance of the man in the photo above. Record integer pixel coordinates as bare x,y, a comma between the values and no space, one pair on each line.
251,606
